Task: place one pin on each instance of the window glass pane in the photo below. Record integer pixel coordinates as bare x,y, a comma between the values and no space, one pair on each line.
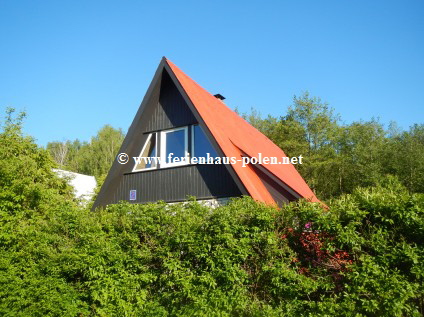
149,152
175,144
202,146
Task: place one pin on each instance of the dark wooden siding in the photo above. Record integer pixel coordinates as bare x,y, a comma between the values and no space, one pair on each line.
175,184
164,108
171,111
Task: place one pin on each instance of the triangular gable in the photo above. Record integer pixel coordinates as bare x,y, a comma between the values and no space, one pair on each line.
117,179
235,137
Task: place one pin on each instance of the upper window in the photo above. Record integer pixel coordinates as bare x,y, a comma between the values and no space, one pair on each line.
174,147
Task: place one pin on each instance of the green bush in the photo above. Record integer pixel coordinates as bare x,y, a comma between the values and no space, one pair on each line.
362,257
241,259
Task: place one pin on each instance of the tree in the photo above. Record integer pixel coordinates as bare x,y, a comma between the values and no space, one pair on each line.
59,152
91,158
27,180
404,157
360,147
317,119
97,157
337,158
310,129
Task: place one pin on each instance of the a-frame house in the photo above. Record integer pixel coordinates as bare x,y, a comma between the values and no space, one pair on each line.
178,116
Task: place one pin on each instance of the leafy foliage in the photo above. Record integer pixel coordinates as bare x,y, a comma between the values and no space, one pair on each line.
362,257
27,181
340,157
91,158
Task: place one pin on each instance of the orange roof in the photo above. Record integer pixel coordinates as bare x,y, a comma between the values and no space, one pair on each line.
237,138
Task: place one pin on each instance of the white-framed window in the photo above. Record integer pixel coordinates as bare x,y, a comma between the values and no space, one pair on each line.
171,147
147,159
174,147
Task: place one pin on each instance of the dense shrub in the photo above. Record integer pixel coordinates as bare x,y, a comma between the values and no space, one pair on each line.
365,258
362,257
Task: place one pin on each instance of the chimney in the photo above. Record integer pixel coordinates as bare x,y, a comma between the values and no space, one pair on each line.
219,96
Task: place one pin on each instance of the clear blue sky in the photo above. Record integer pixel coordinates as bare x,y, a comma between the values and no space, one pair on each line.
77,65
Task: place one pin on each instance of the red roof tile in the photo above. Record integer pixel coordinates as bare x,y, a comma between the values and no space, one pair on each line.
237,138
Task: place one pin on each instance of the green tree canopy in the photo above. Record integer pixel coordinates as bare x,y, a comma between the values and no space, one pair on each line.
91,158
340,157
